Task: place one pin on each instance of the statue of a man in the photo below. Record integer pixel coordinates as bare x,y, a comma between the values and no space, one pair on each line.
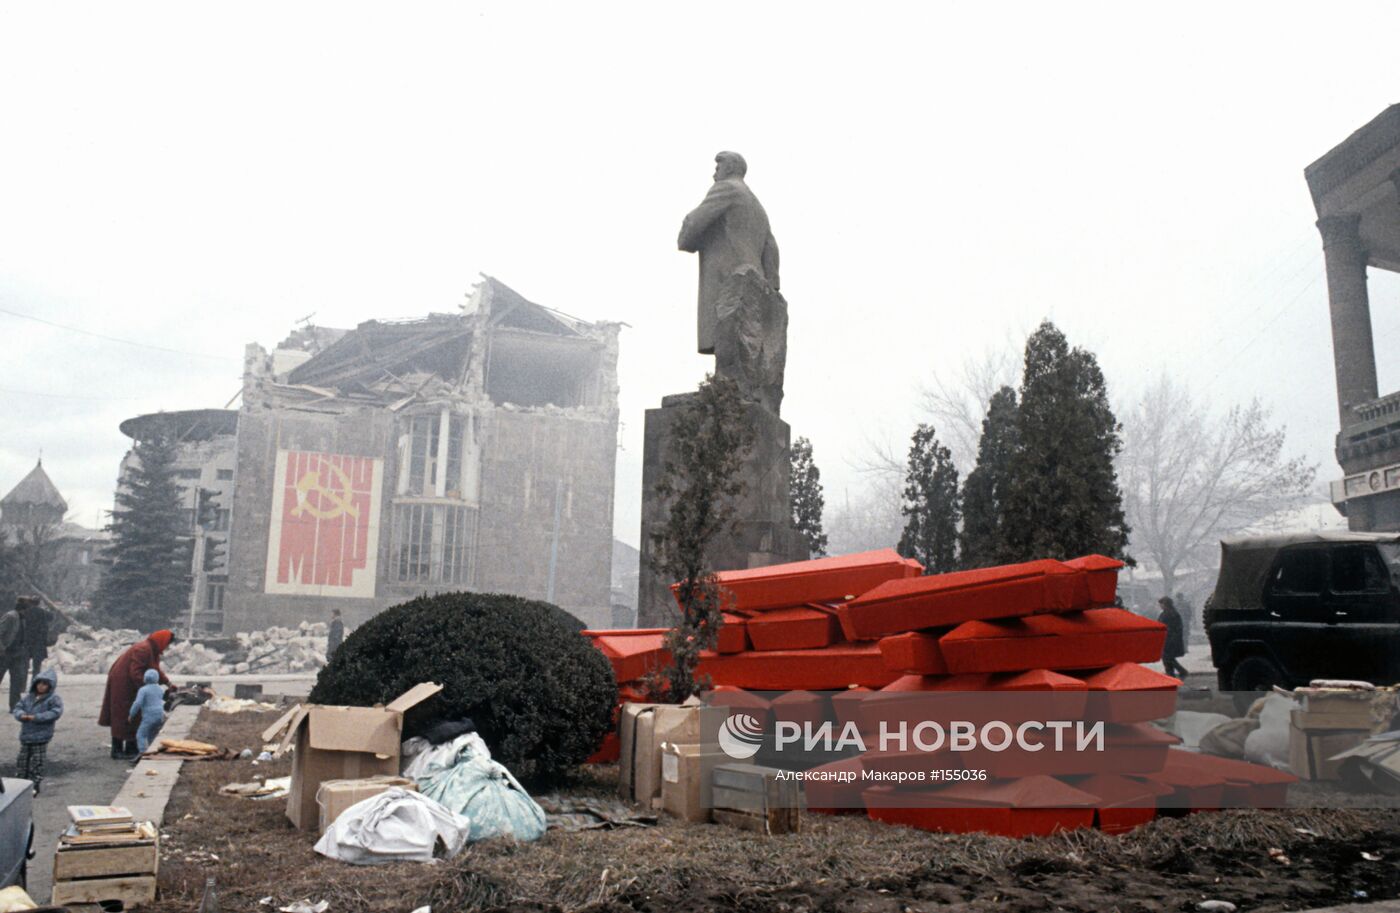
729,230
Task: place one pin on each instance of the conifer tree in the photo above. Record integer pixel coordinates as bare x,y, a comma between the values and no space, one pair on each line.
932,507
700,482
808,499
1062,498
148,584
984,491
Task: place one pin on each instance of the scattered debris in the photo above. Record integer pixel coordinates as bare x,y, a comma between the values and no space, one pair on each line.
305,906
274,788
82,649
1216,906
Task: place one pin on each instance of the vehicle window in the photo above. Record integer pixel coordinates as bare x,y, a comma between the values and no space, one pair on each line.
1300,571
1358,569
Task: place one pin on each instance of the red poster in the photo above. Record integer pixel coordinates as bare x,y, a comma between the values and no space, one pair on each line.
324,534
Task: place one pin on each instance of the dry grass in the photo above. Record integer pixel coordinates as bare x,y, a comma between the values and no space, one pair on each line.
848,863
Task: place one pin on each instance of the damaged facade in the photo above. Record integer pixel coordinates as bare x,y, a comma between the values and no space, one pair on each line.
471,451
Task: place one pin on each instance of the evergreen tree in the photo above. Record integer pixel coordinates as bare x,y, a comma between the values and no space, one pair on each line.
1062,497
700,481
148,584
931,504
984,491
808,500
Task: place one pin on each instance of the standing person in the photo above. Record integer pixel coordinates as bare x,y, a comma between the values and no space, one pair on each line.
150,706
336,635
37,713
125,677
36,638
1174,647
13,649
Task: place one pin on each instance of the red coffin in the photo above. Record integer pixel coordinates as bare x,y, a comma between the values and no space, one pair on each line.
1128,749
833,796
819,580
733,634
802,708
632,652
915,653
1246,785
1028,807
798,628
1129,693
899,606
1121,804
828,669
737,699
1103,577
1077,640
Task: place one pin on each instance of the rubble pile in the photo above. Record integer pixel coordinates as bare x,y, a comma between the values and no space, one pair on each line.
82,649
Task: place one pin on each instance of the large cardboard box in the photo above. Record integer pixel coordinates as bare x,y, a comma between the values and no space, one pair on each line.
687,780
644,728
1310,751
340,743
335,796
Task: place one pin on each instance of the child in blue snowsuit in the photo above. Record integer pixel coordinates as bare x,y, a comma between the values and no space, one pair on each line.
37,712
150,706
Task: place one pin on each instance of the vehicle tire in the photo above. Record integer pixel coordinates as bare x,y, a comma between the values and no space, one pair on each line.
1251,677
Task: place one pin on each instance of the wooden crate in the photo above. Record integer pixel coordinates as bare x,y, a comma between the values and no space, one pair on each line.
755,798
72,862
130,890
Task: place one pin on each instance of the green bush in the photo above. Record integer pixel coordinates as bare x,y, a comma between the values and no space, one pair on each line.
540,695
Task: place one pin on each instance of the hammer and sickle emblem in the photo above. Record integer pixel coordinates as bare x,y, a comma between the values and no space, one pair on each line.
339,498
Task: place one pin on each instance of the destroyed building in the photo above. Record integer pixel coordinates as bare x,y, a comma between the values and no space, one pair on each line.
465,451
1356,192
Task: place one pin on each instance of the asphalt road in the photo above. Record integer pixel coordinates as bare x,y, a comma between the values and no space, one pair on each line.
79,770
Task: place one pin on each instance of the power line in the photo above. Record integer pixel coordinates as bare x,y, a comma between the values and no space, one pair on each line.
129,342
105,399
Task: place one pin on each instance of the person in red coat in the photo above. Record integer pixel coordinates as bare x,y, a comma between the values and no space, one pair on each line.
124,679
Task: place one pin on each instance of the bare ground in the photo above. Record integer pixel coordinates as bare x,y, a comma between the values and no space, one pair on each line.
842,865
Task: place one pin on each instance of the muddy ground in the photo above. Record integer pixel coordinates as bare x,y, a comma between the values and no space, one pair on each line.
842,865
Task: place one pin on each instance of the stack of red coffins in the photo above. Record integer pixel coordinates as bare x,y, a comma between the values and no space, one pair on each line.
633,653
888,641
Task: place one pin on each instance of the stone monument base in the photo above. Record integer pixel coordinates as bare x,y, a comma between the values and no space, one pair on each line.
764,532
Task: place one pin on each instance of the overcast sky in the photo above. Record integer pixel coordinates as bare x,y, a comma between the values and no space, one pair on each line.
938,176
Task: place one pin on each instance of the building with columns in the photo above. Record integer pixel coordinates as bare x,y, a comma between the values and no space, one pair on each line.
1356,191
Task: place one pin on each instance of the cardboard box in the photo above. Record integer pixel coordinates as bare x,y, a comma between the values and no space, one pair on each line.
1358,717
340,743
1310,751
687,780
335,796
642,730
754,798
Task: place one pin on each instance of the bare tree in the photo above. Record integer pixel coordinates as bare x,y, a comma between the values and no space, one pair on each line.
955,402
1191,476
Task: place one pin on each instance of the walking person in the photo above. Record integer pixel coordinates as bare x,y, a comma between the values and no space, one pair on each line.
1174,647
336,635
150,707
14,646
124,679
37,713
36,638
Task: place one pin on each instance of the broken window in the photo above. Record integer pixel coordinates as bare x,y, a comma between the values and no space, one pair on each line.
421,451
431,543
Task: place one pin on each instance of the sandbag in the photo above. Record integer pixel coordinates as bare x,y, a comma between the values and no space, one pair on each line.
1268,745
484,791
394,826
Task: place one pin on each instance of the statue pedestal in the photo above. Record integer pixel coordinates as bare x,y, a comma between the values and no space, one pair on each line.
764,532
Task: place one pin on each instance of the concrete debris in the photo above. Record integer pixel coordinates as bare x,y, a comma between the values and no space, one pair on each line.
277,651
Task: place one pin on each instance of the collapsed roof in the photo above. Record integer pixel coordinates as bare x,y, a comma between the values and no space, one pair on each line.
424,358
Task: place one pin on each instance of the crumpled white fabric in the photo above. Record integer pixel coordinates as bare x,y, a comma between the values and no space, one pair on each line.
394,826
